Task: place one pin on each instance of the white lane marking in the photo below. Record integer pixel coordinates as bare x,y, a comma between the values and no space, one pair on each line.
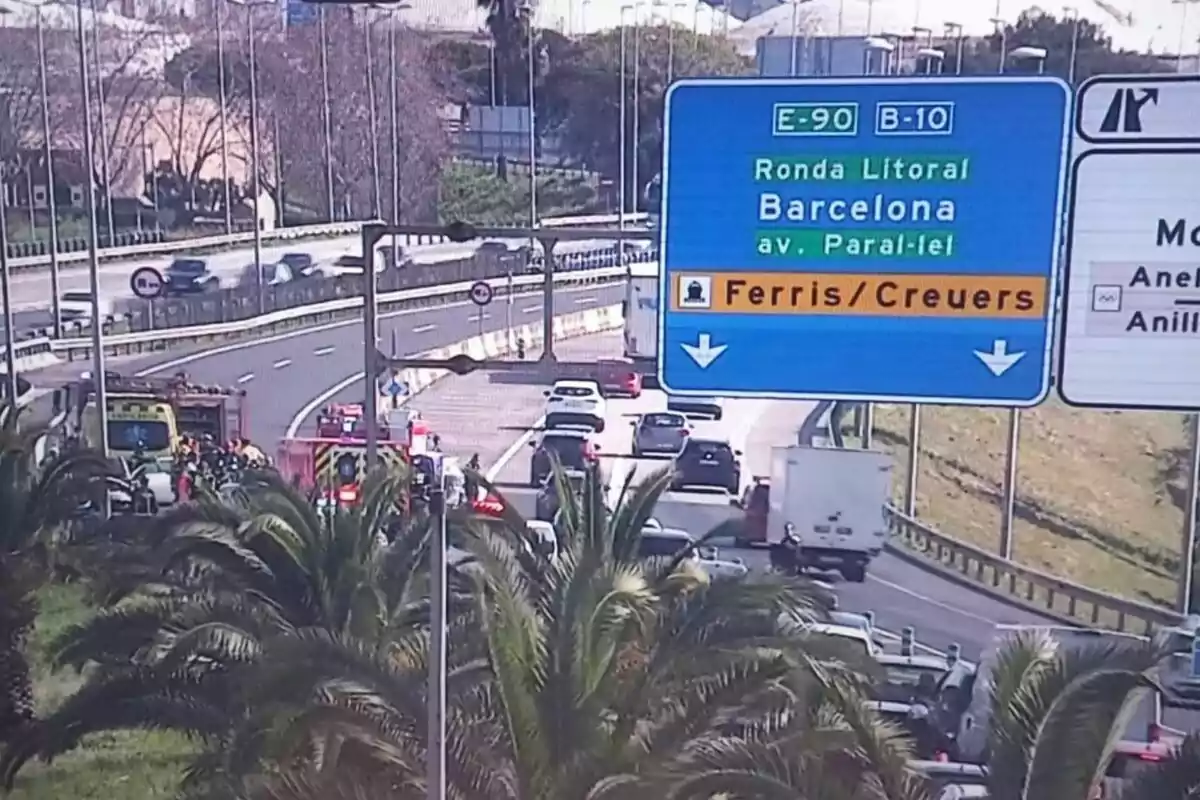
531,309
583,301
318,401
931,601
323,397
423,328
249,376
323,351
621,466
279,337
281,363
511,453
478,317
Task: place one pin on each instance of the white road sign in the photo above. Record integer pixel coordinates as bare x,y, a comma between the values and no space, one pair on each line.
1131,308
1139,110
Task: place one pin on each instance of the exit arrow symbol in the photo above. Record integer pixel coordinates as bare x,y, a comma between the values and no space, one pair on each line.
704,353
998,359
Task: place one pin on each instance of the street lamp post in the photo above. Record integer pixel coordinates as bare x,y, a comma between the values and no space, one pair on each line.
1002,31
637,96
1009,499
98,381
1074,54
955,30
623,122
222,94
256,174
372,122
51,200
326,110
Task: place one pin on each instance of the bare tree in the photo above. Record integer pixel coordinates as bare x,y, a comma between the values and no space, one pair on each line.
291,94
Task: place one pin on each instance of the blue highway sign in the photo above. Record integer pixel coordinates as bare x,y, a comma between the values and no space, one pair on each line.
865,239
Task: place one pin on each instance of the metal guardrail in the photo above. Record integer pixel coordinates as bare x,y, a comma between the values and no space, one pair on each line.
983,571
1054,597
143,249
293,318
227,305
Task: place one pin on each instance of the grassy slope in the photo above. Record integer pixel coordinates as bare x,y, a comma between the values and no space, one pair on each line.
119,766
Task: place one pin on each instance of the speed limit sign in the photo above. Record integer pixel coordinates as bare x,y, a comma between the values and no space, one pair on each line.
481,293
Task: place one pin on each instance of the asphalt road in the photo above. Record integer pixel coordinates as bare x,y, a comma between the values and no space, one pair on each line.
284,373
478,415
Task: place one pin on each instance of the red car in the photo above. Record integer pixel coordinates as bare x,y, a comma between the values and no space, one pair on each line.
619,378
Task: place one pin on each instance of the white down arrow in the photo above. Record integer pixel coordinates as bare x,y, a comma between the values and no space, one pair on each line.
704,353
998,359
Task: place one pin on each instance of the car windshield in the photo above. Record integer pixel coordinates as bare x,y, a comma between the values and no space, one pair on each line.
702,449
569,449
187,266
663,421
652,546
139,434
574,391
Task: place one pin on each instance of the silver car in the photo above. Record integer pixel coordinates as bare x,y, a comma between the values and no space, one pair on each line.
660,433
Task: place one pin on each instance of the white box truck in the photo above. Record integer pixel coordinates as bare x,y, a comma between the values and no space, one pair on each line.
826,509
641,316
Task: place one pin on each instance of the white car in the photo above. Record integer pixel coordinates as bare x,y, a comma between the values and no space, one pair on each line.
575,403
667,542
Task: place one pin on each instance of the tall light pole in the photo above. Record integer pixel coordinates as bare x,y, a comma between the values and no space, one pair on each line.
623,114
51,200
101,390
637,98
326,111
10,361
372,121
1183,18
255,168
533,173
105,175
223,97
955,31
1009,498
1002,31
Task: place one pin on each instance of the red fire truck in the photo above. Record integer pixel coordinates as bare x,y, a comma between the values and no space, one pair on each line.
334,461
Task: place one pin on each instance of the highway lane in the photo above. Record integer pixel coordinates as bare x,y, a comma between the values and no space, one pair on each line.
282,374
900,594
31,295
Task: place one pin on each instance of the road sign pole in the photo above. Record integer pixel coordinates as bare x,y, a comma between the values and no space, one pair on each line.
1009,504
1187,561
371,235
548,244
914,460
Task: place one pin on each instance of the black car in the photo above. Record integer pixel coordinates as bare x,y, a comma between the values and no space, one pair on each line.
574,449
708,462
190,276
301,265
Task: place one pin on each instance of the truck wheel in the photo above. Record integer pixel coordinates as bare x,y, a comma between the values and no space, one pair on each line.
855,573
599,425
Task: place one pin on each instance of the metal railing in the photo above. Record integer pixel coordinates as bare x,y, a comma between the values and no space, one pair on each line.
73,249
80,347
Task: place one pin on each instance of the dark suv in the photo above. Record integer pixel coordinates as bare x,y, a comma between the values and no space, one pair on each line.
708,462
574,449
190,276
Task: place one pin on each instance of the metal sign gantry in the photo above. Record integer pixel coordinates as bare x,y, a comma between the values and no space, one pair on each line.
375,362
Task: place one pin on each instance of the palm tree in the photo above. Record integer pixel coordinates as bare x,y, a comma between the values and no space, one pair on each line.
508,22
595,675
36,500
192,613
